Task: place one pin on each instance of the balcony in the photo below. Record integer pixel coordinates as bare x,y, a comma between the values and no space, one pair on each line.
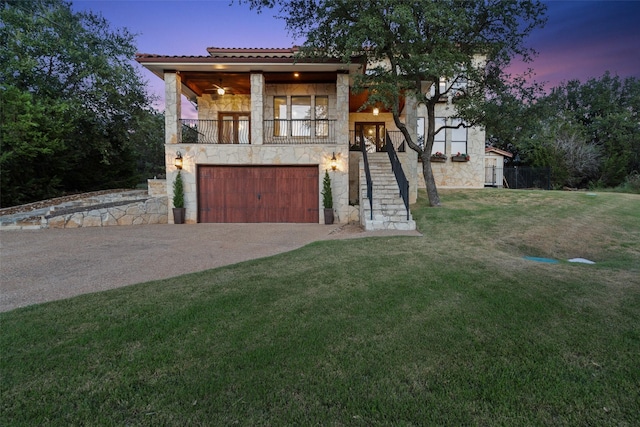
276,132
236,131
295,132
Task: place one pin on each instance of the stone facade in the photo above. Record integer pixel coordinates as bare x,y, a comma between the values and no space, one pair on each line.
260,105
150,211
223,154
157,187
134,207
173,108
452,174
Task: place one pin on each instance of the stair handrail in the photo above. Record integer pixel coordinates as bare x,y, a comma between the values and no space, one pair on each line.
363,147
401,179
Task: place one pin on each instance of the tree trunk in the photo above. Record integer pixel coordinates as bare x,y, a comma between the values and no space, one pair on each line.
424,153
429,181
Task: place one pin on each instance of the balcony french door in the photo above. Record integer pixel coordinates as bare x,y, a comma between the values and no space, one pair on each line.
234,128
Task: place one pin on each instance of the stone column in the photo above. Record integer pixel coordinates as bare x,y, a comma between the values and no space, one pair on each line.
342,109
173,107
257,108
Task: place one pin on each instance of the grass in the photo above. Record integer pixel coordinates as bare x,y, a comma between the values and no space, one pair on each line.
454,328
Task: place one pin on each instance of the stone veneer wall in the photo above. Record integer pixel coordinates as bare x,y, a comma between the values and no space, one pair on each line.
261,106
210,105
133,207
150,211
157,187
457,174
233,154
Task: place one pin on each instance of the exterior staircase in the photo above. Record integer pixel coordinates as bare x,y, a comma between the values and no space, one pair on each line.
389,212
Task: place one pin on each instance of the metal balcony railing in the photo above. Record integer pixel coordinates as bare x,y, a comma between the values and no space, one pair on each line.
290,132
299,132
196,131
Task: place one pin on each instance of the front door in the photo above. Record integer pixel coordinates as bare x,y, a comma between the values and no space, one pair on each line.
373,134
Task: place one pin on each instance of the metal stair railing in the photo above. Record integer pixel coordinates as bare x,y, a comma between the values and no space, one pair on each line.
367,173
396,166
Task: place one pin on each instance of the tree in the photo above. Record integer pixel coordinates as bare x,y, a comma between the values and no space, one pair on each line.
410,46
32,146
84,99
608,110
587,133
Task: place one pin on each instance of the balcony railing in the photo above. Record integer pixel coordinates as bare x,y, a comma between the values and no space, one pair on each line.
216,131
397,139
290,132
300,131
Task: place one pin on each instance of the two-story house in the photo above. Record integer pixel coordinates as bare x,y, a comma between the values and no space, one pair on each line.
269,125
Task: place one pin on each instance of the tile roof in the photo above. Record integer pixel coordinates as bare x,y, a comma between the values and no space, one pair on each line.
491,149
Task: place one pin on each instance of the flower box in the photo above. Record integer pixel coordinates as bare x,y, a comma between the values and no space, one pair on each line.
438,157
460,158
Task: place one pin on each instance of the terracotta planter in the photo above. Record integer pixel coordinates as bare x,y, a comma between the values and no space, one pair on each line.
328,216
178,215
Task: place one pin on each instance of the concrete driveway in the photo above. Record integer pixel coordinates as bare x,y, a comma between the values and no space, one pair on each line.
46,265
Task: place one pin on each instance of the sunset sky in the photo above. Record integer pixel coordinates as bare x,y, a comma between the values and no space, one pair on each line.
581,40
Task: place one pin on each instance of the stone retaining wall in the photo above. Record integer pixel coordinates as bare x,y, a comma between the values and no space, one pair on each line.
97,209
150,211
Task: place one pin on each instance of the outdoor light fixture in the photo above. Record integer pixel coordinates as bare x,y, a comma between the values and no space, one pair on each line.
220,91
334,162
376,111
178,160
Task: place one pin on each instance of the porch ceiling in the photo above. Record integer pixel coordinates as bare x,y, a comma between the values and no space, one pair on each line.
202,83
357,100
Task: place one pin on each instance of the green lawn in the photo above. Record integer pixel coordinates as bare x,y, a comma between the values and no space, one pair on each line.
453,328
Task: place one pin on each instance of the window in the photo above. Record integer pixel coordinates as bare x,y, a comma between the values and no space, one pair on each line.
439,138
280,116
301,116
420,132
458,138
322,115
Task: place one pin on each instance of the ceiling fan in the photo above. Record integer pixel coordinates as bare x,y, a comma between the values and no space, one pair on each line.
219,89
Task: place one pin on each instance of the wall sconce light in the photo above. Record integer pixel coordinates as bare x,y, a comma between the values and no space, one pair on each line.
178,161
334,162
376,111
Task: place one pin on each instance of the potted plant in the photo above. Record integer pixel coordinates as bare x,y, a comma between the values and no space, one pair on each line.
464,157
438,157
178,200
327,198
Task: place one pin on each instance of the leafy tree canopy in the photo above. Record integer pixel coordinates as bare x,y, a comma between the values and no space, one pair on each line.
587,133
72,101
410,45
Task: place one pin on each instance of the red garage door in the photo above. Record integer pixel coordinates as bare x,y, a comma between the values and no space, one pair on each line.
258,194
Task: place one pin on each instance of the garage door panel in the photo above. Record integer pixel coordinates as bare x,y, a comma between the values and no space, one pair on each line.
258,194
